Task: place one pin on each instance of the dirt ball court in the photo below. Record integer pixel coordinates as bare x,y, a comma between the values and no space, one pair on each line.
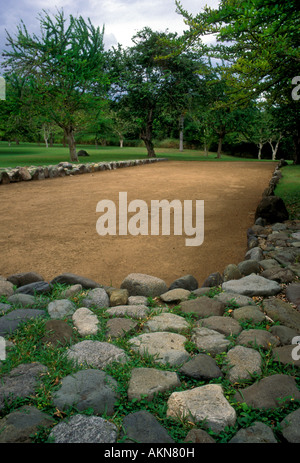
49,226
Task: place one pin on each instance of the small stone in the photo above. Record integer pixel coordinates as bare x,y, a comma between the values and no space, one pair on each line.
254,254
97,298
243,362
224,325
61,308
284,355
85,321
71,291
232,272
283,312
203,307
293,293
201,367
72,279
25,278
118,327
38,287
23,300
214,279
267,264
252,285
146,382
284,333
10,321
227,298
281,275
290,427
96,354
142,427
248,313
174,295
118,297
139,284
187,282
6,288
166,322
257,338
257,433
211,341
133,311
248,266
137,300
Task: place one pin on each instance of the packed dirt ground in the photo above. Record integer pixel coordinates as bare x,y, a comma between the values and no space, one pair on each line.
49,226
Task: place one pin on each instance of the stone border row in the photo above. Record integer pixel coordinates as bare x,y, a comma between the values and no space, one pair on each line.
19,174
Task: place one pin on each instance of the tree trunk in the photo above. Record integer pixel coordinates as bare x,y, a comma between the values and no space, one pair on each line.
146,135
260,147
181,125
69,133
296,139
220,143
121,142
274,148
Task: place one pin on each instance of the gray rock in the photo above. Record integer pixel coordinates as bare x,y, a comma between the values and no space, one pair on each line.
254,254
61,308
166,322
252,285
118,327
203,307
257,338
87,389
211,341
203,403
248,313
201,291
139,284
82,429
97,298
142,427
214,279
198,436
174,295
187,282
284,333
285,256
133,311
20,382
293,294
4,308
57,333
72,279
267,264
290,427
270,392
38,287
11,321
146,382
283,312
20,425
281,275
137,300
24,278
284,355
24,300
164,346
257,433
232,272
224,325
85,321
201,367
243,362
227,298
6,288
248,266
71,291
96,354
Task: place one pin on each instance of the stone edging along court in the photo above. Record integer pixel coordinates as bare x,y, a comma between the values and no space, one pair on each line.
18,174
263,287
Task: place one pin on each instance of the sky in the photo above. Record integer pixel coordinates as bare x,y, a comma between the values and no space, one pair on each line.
121,18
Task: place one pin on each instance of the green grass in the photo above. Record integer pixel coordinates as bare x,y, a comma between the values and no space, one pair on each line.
289,190
27,154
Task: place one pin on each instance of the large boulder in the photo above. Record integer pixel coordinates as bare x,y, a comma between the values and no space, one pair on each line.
272,209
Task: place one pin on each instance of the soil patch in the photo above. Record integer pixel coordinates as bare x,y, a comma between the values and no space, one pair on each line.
49,226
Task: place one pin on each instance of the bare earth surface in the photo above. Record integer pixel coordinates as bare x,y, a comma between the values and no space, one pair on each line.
49,226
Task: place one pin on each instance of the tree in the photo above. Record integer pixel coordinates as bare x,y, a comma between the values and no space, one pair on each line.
259,42
67,68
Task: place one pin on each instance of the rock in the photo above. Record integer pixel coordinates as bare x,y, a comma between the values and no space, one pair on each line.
4,178
20,382
146,382
57,332
272,209
39,287
137,300
211,341
202,367
6,288
227,298
284,355
96,354
85,321
201,291
87,389
257,433
232,272
270,392
164,346
242,363
24,300
203,403
11,321
166,322
20,425
257,338
82,153
224,325
71,291
283,312
285,256
139,284
97,298
214,279
133,311
174,295
4,308
248,313
61,308
267,264
83,429
248,266
25,278
203,307
292,293
198,436
252,285
284,333
72,279
290,427
118,327
142,427
118,297
281,275
187,282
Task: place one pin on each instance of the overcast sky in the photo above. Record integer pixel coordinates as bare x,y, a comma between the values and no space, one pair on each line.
121,18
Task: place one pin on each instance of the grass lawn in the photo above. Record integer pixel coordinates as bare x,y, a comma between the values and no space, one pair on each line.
289,190
27,154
